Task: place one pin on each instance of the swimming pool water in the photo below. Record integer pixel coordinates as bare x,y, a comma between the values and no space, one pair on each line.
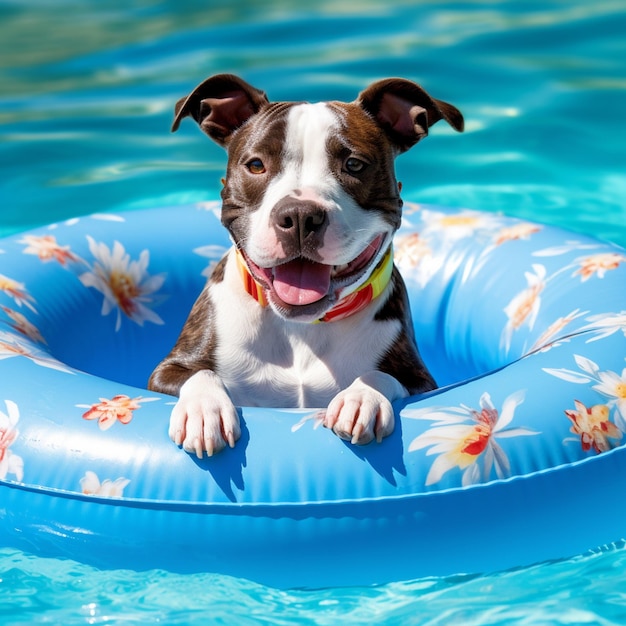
87,90
578,591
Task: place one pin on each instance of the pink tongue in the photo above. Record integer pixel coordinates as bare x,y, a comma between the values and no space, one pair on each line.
301,282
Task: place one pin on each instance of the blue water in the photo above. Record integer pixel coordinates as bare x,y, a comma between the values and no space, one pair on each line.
87,89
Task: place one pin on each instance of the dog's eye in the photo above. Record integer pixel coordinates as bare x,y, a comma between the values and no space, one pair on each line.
256,166
354,165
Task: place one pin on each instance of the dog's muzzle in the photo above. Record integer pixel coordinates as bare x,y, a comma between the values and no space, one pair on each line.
286,283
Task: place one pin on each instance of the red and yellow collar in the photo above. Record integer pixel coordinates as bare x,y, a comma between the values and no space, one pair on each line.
349,305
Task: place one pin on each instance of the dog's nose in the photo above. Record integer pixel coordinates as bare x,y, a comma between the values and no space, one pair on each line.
300,221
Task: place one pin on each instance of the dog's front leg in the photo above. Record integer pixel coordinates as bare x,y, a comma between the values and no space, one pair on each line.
204,418
363,411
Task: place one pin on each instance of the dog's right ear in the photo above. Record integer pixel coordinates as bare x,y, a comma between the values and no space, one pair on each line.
405,111
220,105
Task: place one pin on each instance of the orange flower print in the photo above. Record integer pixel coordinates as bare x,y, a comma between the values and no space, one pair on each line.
512,233
17,291
598,264
108,411
47,249
9,347
410,250
22,325
12,345
524,307
546,340
593,426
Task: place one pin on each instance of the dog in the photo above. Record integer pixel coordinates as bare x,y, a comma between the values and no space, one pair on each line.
307,308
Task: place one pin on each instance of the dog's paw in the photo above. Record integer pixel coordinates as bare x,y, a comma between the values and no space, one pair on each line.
204,418
360,413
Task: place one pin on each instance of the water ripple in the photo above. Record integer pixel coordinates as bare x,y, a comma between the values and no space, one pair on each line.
87,95
45,591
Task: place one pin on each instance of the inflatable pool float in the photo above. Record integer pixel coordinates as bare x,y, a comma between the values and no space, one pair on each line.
517,459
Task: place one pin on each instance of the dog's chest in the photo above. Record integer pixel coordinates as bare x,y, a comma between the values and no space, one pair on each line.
267,361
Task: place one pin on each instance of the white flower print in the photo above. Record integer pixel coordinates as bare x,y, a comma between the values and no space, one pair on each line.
10,463
90,485
125,284
524,307
462,435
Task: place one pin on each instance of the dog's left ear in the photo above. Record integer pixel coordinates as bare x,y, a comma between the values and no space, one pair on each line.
220,105
405,111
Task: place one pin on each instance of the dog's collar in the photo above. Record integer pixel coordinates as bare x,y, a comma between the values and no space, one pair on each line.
349,305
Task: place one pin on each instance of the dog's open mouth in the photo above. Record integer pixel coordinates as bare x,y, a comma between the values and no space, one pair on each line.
301,282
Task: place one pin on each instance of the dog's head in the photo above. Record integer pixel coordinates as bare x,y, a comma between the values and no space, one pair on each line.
310,196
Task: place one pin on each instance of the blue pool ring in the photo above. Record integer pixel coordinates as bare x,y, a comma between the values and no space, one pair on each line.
517,459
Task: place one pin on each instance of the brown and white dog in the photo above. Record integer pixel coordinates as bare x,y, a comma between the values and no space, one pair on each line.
307,308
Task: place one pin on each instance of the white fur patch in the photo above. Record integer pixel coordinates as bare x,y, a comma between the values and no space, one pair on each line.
306,174
267,361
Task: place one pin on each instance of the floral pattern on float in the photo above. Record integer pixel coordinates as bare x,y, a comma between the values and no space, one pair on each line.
544,305
109,411
593,424
10,463
126,285
462,436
